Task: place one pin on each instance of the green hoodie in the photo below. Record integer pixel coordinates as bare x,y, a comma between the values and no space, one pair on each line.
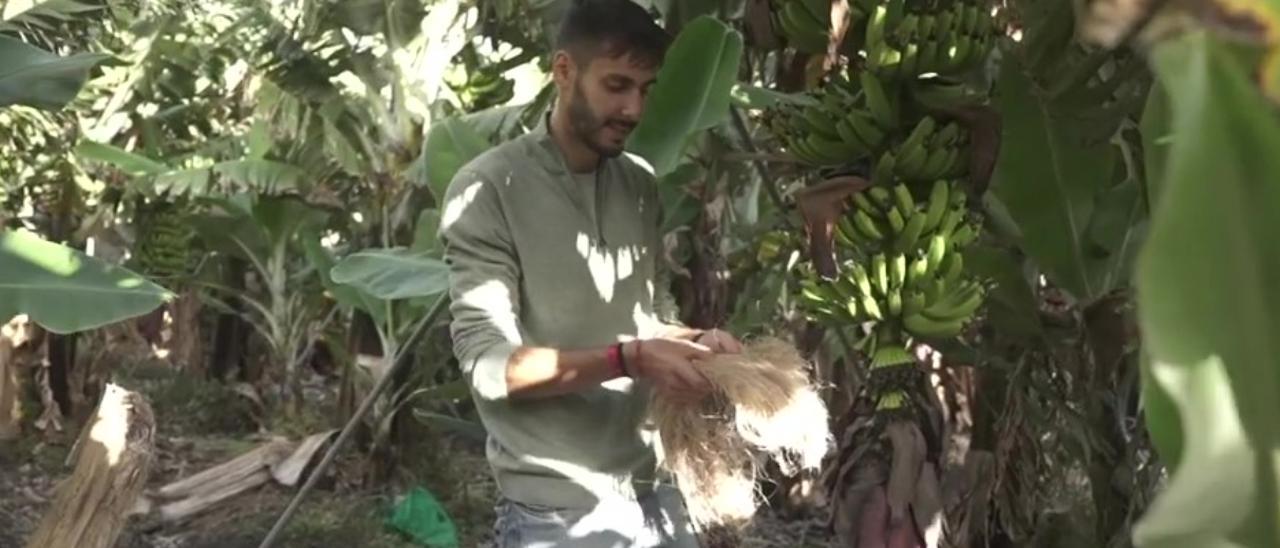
541,256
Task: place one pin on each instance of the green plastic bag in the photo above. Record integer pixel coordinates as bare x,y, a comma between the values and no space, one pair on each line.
424,519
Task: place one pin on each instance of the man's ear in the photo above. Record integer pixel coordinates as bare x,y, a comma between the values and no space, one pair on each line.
563,69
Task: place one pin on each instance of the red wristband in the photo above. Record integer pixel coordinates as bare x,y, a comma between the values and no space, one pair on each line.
616,361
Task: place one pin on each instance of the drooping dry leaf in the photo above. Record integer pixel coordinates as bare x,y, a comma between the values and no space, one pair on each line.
821,206
908,456
839,27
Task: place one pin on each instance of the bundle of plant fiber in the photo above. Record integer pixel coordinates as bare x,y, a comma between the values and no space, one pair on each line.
763,406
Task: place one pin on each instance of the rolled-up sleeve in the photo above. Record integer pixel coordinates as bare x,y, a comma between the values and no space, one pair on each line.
484,283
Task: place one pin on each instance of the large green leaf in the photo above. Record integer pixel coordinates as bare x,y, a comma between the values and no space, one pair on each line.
126,161
1049,179
449,145
261,175
1208,303
65,290
347,296
34,77
692,91
393,273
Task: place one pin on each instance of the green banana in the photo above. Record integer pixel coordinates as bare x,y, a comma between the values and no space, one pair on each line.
894,300
947,136
871,308
851,307
863,281
935,165
800,151
927,61
964,235
898,271
874,41
951,220
866,227
918,271
911,161
877,100
833,150
864,204
922,326
845,232
913,303
896,221
905,32
884,169
963,53
802,31
937,204
881,279
911,153
844,288
865,128
933,290
849,135
953,268
945,20
903,198
882,196
909,68
937,251
972,18
910,234
956,164
927,26
958,304
820,121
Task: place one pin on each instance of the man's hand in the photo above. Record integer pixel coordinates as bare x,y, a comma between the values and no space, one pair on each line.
720,342
668,364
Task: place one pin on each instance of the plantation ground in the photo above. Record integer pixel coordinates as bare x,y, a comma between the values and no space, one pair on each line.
202,424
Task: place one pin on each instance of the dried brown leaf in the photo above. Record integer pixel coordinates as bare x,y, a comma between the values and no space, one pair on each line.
821,206
908,456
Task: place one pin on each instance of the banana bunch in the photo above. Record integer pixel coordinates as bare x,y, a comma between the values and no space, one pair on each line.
948,38
907,269
805,24
486,88
842,124
931,151
163,247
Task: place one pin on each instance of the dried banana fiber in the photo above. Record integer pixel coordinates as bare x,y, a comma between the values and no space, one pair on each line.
764,406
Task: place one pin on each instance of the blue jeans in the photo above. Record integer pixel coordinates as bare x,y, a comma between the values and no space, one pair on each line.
656,520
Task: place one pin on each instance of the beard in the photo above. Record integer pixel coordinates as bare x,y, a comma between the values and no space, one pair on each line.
589,128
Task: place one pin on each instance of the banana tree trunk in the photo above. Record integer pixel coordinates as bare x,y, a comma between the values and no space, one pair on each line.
884,484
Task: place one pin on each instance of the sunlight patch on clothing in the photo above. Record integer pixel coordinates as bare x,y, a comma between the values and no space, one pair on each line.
607,266
453,210
494,291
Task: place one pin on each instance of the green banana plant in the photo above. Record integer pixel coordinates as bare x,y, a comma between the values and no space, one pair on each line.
1205,303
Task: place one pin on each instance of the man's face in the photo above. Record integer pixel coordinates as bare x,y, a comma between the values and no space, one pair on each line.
606,100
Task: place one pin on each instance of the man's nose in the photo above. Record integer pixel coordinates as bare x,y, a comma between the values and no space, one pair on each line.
633,107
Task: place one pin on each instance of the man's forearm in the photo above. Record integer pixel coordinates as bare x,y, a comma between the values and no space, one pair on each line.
534,372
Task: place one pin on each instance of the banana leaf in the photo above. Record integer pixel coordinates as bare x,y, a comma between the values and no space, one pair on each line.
392,273
64,290
691,94
33,77
1208,302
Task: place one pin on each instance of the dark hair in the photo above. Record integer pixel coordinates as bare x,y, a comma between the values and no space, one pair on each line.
611,27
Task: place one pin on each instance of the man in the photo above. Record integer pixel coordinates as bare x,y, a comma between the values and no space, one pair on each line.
561,320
